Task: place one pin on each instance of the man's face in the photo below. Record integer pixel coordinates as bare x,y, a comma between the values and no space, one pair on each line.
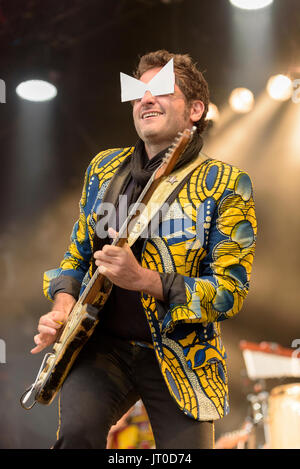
158,119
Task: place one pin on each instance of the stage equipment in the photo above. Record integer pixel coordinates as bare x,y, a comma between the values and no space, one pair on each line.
36,90
284,417
241,100
278,410
280,87
251,4
269,360
213,113
274,413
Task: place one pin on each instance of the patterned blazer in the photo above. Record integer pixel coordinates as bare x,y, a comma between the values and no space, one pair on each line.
207,249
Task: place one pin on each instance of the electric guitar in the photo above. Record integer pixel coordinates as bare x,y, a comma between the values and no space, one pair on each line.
84,316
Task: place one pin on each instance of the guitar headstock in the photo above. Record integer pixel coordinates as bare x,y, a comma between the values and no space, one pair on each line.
174,152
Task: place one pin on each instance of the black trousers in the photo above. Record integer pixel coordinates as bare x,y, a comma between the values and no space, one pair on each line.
108,377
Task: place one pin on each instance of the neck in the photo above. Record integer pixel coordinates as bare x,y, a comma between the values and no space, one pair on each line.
153,146
154,149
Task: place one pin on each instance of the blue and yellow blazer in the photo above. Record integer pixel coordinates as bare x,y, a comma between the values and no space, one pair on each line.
210,246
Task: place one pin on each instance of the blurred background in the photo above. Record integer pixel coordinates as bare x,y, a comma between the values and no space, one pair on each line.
81,46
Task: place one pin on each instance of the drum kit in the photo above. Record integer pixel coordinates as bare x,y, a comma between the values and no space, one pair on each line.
274,415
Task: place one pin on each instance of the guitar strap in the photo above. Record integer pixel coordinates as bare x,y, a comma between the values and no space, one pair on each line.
165,193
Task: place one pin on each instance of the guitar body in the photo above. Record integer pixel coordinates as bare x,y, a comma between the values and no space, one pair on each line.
59,363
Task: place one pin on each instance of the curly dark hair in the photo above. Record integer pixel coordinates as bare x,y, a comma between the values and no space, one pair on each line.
189,79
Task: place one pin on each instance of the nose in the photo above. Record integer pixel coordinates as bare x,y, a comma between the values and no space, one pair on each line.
148,98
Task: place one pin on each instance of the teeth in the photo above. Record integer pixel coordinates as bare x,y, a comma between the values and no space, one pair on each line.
151,114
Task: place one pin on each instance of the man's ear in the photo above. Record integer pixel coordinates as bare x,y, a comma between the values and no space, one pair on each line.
196,111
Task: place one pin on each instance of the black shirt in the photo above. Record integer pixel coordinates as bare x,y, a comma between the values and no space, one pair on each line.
123,315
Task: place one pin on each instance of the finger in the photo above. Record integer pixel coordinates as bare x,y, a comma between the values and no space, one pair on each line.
127,247
58,317
52,323
46,330
104,270
40,344
41,339
38,348
37,339
104,258
112,233
113,251
111,267
60,323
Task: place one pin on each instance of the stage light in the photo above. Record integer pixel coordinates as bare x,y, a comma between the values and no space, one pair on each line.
36,90
213,113
280,88
251,4
241,100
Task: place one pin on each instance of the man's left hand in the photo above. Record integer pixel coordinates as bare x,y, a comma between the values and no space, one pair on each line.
119,265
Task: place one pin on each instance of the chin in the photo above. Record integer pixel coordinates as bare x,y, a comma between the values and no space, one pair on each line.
150,134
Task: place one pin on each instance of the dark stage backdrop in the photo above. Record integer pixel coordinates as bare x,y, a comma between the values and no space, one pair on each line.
45,148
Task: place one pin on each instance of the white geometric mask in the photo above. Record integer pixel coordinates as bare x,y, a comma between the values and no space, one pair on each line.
162,83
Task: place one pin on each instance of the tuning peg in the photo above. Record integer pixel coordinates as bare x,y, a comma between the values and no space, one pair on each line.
193,130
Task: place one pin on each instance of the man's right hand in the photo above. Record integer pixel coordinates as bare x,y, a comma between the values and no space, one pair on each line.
49,327
51,323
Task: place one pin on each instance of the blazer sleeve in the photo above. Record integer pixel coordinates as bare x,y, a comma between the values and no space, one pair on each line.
224,273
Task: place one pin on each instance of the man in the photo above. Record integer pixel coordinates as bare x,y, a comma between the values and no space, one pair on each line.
158,338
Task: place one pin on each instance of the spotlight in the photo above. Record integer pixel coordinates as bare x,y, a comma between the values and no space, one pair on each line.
213,113
280,88
36,90
251,4
241,100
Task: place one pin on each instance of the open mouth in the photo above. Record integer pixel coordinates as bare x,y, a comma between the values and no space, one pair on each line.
148,115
